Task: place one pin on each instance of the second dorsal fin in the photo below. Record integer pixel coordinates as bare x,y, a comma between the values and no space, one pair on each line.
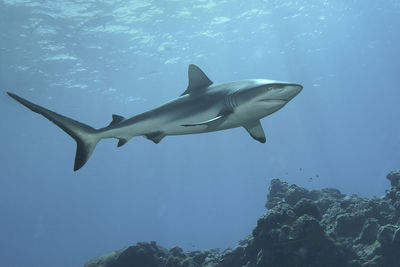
197,80
116,119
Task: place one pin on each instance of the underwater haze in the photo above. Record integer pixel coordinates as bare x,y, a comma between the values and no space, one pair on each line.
90,59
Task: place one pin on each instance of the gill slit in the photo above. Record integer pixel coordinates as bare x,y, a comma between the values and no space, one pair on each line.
231,101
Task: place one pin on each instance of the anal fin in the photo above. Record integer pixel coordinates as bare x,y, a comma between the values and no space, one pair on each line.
121,142
256,131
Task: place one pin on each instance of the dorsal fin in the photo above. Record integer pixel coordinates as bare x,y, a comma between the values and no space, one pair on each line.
116,119
197,79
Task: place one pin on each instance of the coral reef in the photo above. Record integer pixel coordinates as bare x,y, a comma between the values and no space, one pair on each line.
301,228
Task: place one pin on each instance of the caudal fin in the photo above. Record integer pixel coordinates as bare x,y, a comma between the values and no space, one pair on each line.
85,136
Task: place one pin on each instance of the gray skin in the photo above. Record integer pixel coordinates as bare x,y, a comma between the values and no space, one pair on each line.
204,107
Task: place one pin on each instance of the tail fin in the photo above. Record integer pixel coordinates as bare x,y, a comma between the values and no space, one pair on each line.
85,136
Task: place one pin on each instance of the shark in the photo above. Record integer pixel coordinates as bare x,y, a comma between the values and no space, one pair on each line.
203,107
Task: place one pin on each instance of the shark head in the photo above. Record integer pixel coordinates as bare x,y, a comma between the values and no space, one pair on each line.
260,98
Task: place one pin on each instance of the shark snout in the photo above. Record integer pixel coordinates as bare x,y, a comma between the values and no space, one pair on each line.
297,88
284,93
293,90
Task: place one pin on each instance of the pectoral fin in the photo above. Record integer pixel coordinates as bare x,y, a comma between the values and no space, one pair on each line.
256,131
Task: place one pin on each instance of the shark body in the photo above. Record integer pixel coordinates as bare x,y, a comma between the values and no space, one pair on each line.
204,107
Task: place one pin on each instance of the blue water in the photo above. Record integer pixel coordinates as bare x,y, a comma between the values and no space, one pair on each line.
90,59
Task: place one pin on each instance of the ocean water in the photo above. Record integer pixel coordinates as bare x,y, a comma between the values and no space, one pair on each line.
90,59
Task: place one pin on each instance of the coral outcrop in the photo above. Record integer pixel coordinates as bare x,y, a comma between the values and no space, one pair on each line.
301,228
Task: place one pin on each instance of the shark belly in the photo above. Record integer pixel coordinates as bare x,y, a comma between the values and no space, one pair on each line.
165,121
173,118
179,127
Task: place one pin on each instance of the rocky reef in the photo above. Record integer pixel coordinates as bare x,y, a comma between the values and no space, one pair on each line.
301,228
